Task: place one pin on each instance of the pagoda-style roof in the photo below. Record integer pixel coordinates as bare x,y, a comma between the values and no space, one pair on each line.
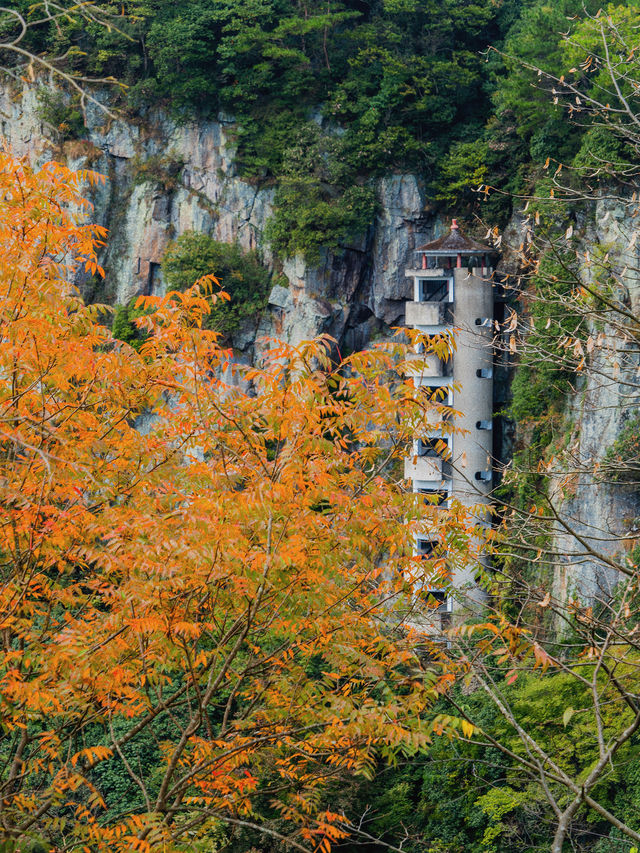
454,243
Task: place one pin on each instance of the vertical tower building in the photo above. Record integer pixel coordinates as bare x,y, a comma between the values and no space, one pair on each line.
453,291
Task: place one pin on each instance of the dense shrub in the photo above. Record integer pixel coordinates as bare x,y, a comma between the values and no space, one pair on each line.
124,327
62,113
306,219
622,459
240,273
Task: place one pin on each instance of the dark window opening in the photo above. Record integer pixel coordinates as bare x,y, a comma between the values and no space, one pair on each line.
434,290
425,348
437,393
153,278
434,497
439,594
431,446
425,547
484,373
484,424
436,599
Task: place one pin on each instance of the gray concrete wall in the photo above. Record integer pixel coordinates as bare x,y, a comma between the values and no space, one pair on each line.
472,398
472,447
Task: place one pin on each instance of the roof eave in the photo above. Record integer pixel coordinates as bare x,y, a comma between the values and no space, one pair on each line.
481,250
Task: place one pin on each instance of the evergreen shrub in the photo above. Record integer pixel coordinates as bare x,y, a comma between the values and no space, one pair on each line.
240,273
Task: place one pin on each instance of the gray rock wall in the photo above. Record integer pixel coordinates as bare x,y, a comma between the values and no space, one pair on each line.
601,516
354,295
603,513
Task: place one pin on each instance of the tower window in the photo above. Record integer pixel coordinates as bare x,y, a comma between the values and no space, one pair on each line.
434,290
484,424
425,547
437,393
434,497
432,446
484,476
485,322
484,372
439,594
440,603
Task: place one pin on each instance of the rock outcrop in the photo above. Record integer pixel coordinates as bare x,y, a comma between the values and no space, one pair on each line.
165,178
599,515
602,514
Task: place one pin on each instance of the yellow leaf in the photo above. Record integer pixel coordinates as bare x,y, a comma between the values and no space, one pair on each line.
467,729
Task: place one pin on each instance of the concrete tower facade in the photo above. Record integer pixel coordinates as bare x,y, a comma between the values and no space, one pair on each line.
453,291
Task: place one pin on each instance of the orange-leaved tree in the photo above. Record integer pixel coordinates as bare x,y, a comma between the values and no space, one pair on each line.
210,610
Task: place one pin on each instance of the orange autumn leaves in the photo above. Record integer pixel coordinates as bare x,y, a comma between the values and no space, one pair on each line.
214,573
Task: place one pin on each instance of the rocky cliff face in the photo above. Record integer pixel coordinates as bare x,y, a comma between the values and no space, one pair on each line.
164,179
602,513
600,516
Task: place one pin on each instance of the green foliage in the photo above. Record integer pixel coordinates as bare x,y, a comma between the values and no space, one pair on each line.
497,804
542,380
551,214
161,169
601,149
62,112
621,462
527,124
552,140
468,797
620,28
124,327
388,85
318,201
531,122
534,42
122,795
463,170
539,390
306,220
241,274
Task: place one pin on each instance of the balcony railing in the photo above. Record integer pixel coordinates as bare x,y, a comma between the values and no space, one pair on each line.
428,365
427,468
427,313
432,272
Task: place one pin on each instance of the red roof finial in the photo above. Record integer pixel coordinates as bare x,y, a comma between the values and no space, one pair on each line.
454,225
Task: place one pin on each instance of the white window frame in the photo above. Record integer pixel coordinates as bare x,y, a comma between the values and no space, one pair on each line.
420,280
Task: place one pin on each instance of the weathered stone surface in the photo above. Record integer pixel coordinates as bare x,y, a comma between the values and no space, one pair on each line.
352,294
601,514
280,297
401,226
